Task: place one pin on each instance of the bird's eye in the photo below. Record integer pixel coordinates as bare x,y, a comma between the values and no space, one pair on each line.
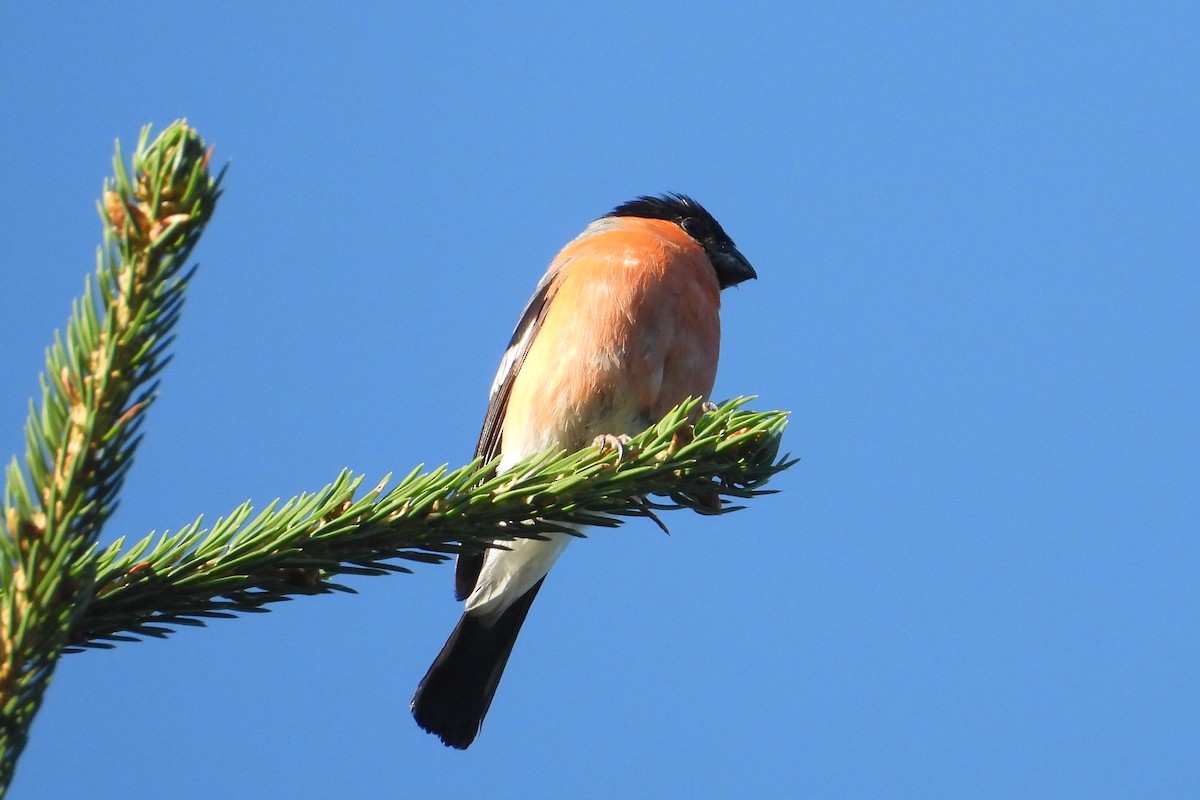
695,227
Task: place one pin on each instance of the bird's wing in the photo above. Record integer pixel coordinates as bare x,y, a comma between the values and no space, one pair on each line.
467,569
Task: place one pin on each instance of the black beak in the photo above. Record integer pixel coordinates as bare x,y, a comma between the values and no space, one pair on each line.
732,267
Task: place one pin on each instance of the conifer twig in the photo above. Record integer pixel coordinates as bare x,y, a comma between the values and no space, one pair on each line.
98,383
246,561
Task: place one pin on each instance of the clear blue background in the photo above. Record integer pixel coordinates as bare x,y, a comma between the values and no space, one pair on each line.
976,227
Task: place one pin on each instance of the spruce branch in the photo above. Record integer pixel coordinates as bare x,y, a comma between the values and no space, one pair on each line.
59,592
98,384
246,561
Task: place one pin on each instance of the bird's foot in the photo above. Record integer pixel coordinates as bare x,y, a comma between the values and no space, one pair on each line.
608,441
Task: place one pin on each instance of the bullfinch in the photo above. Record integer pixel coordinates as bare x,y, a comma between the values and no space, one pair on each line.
622,328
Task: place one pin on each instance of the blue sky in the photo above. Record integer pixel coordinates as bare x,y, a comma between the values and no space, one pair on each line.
975,227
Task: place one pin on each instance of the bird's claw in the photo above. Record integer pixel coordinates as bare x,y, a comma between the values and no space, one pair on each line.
608,441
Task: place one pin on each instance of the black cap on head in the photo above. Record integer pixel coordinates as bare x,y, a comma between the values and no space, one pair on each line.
731,266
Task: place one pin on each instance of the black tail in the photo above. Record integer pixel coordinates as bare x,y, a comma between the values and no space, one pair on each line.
455,693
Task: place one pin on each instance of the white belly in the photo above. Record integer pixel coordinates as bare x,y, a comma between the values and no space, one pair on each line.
508,574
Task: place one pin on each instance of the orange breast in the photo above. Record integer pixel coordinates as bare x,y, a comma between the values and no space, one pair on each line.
632,330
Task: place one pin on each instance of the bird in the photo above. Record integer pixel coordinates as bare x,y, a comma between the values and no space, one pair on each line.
621,329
